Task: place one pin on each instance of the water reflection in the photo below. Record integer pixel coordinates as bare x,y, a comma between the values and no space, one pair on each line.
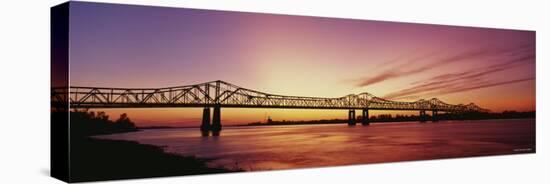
281,147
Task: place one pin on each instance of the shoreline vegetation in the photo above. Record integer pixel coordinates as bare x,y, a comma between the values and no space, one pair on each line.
388,118
382,118
95,159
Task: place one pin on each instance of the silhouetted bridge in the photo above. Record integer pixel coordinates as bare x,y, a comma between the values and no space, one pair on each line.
218,94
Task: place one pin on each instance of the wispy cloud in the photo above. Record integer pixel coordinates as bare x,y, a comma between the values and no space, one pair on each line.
414,69
460,81
450,77
448,88
411,67
389,71
480,86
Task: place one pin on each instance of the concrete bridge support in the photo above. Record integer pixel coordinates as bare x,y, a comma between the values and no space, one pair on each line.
216,126
351,117
365,117
422,116
216,121
205,126
434,116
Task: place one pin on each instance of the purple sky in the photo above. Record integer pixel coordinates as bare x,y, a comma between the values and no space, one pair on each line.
140,46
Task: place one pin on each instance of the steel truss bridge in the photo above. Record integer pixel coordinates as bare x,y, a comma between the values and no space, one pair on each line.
217,94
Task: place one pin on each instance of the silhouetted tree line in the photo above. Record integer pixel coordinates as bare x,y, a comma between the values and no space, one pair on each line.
94,159
400,118
92,123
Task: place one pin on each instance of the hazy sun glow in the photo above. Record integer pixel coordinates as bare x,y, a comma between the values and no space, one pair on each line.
135,46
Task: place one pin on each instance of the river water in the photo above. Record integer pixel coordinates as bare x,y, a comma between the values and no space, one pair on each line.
299,146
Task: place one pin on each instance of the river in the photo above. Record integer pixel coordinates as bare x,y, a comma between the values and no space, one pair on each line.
300,146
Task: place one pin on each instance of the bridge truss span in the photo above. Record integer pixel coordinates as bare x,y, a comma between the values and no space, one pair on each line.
218,94
225,94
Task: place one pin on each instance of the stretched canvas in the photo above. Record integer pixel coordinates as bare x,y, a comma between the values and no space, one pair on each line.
144,91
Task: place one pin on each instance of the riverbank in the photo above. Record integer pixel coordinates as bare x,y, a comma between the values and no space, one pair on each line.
99,159
387,118
340,121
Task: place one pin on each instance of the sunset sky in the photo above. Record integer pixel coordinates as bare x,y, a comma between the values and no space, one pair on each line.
138,46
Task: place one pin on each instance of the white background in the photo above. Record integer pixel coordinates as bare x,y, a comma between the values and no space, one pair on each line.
24,91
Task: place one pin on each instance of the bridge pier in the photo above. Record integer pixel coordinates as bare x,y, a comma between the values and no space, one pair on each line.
422,116
351,117
434,116
365,115
205,126
216,121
